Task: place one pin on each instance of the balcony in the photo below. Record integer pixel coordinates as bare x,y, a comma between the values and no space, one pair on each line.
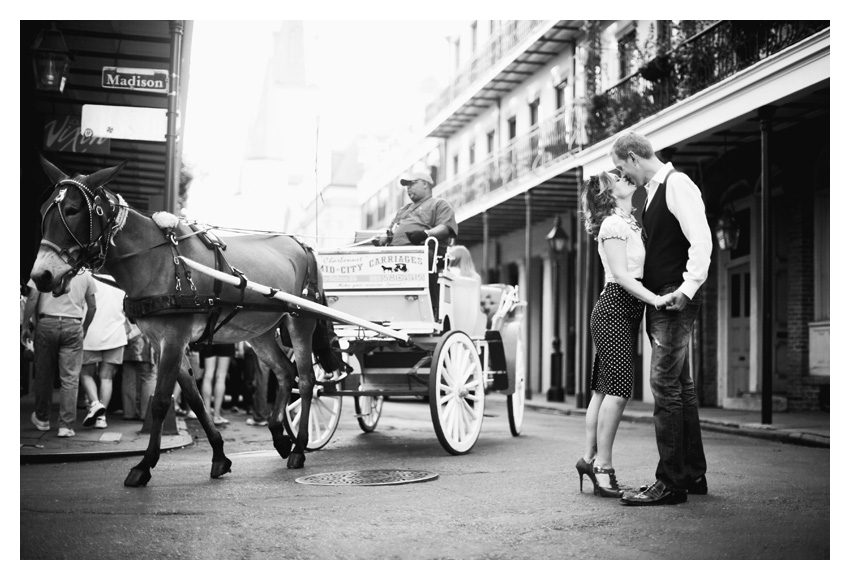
546,144
718,52
518,50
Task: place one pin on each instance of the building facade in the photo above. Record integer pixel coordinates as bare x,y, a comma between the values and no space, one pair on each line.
742,107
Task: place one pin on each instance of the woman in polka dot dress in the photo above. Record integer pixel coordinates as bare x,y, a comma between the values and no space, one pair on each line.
614,322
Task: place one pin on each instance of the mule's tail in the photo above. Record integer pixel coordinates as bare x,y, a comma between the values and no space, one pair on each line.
326,344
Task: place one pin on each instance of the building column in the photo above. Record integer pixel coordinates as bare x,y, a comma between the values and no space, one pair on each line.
766,278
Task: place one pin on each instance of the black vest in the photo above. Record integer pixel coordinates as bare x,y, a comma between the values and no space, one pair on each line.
666,245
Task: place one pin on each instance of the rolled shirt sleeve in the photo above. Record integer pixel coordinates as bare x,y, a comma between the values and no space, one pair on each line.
684,201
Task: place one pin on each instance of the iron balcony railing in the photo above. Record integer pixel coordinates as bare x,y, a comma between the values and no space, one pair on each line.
547,143
511,33
721,50
707,58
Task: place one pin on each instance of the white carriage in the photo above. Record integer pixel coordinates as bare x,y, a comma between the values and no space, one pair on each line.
450,351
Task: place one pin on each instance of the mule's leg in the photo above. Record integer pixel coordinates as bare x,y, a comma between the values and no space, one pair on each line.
169,366
269,352
301,332
220,463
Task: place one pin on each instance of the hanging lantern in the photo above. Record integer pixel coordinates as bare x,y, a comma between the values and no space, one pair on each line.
727,232
557,238
51,60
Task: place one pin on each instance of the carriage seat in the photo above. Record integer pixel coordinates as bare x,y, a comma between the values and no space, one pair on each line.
460,298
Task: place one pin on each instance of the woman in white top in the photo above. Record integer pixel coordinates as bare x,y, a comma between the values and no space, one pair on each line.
614,322
460,262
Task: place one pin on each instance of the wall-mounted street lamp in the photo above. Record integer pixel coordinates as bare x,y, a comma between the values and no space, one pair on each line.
558,240
727,231
51,60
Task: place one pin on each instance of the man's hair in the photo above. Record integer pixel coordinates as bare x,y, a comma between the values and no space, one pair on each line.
637,144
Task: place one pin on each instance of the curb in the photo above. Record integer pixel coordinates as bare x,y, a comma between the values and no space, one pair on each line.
782,436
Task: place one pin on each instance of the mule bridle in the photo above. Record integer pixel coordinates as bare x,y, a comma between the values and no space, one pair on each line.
92,254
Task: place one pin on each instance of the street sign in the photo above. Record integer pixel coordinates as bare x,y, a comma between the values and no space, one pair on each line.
133,123
135,79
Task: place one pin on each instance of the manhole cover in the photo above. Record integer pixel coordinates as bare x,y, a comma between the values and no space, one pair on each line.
368,477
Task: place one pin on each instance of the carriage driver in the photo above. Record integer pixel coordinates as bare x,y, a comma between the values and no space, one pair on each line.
424,216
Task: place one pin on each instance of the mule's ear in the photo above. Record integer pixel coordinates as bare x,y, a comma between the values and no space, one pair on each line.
104,176
54,173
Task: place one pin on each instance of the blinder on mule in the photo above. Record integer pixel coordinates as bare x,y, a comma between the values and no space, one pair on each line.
93,253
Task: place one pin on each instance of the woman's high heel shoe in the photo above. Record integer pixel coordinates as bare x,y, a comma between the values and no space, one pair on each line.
585,468
613,490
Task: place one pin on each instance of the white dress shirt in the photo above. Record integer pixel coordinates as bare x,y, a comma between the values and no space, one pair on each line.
684,201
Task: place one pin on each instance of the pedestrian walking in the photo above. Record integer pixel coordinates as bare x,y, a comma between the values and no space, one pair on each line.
614,323
56,325
138,374
103,352
257,379
678,254
215,360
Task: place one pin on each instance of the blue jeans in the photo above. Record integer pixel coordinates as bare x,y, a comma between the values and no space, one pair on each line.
58,346
677,429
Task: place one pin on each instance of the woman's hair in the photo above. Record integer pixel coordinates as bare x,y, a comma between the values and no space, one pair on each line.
597,203
461,260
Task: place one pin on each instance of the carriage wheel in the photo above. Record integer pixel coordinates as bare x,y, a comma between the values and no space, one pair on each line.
324,415
367,409
516,401
456,392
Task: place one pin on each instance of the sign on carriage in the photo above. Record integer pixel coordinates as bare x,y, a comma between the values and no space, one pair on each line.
135,79
402,268
134,123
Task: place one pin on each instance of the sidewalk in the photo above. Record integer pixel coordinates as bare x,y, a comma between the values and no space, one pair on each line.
809,428
123,438
120,438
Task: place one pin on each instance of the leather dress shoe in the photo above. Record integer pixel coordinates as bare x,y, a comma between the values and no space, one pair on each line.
698,486
655,494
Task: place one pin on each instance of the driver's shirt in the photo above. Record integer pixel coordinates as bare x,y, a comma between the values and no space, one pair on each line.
425,215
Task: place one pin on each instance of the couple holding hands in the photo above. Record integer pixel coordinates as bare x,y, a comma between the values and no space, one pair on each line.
662,264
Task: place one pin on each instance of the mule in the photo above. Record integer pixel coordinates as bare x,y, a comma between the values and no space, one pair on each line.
85,225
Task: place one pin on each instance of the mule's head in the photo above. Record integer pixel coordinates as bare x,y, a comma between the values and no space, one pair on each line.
75,222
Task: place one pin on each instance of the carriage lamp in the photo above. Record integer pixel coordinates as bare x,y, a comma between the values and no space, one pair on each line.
557,239
727,232
51,60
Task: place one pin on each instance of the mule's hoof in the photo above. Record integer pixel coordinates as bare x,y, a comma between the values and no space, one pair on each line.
283,447
296,461
220,467
137,478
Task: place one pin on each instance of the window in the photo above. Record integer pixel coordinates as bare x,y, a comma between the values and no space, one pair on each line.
455,165
626,49
457,53
663,36
511,128
533,110
491,141
474,36
559,97
472,154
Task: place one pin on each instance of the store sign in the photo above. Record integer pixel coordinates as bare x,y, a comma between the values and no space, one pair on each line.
135,123
63,134
135,79
385,269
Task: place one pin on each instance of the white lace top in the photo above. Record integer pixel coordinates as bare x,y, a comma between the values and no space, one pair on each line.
622,227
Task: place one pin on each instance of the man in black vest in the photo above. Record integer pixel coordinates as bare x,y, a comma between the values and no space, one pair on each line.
678,253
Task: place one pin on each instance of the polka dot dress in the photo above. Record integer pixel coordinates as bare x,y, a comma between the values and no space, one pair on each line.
614,325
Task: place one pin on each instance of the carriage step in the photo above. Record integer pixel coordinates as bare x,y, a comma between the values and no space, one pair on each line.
333,381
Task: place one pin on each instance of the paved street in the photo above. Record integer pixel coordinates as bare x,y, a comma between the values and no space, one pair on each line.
509,498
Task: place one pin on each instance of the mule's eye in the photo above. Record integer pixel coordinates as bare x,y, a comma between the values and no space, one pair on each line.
71,211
